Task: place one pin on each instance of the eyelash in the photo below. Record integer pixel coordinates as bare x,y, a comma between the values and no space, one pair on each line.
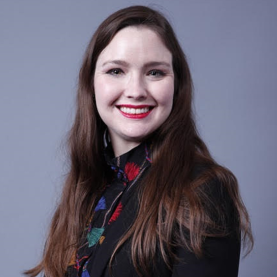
156,73
115,71
153,72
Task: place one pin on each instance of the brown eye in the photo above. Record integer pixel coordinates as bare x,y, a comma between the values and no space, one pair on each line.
115,71
156,73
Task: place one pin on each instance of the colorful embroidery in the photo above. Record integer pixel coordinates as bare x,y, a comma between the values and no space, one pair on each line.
78,261
120,174
94,235
116,213
126,170
131,170
73,259
85,272
101,205
101,239
147,154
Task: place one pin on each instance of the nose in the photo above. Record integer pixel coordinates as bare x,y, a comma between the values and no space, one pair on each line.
136,87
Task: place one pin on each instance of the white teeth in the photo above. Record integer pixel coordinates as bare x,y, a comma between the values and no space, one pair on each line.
134,111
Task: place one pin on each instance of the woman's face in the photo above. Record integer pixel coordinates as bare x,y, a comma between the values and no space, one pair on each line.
134,86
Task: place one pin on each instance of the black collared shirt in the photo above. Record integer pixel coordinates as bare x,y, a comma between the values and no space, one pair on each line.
125,170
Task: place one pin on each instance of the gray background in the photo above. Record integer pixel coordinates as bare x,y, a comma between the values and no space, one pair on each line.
231,47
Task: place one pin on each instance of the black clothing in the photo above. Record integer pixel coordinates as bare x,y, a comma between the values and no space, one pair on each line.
116,211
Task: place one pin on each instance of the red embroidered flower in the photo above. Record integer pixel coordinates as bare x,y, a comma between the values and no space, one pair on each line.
116,213
131,170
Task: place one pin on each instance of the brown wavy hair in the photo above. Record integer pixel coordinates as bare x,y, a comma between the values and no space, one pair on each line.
177,200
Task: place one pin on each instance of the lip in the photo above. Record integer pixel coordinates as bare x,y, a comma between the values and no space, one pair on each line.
139,114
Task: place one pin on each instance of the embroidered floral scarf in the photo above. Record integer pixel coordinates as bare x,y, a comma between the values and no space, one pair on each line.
126,171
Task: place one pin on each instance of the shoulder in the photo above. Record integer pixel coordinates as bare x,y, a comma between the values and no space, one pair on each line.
213,247
214,181
217,191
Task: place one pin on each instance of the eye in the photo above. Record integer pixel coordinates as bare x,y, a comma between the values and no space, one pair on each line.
115,71
156,73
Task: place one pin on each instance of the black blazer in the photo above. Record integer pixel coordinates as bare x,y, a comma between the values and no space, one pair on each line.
221,255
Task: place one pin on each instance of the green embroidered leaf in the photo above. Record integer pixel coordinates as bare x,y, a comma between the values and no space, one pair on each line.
94,235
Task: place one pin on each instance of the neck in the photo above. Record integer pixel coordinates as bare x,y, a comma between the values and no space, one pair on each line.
121,147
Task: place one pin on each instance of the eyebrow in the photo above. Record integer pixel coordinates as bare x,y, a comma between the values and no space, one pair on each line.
117,62
126,64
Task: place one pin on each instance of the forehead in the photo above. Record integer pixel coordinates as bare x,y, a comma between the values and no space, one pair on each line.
136,43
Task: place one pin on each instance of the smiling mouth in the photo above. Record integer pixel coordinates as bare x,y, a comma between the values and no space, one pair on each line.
136,112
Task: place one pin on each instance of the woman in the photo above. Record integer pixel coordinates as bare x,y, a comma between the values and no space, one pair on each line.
143,196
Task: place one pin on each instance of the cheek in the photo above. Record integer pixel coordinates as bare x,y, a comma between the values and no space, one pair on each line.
105,92
106,89
100,98
165,95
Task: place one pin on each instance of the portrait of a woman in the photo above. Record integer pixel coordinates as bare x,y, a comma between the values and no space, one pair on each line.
143,196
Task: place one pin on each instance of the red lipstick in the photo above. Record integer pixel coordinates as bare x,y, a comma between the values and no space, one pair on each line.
135,111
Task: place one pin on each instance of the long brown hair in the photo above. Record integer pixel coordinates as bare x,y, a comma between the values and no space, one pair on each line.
176,199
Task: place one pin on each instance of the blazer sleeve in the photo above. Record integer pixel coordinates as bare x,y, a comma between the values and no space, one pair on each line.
221,259
220,254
